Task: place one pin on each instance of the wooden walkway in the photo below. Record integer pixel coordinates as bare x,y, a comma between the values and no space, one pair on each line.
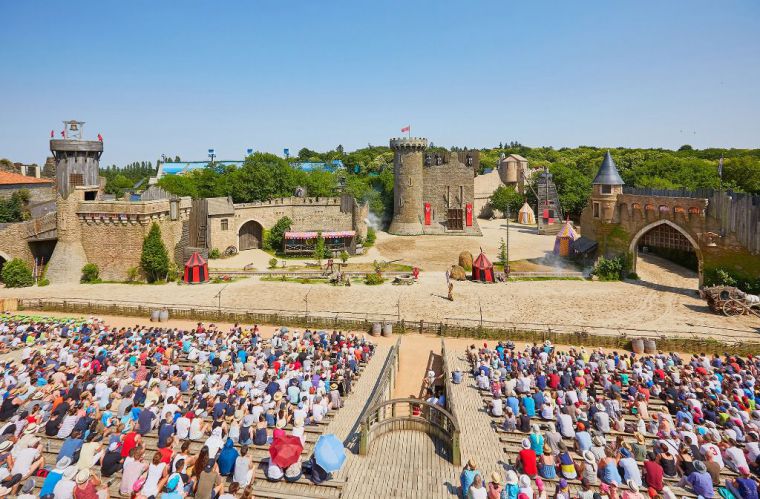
478,440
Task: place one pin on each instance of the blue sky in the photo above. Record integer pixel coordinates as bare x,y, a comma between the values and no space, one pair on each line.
180,77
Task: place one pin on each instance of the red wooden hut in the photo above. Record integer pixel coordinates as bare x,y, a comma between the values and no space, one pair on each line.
196,270
482,269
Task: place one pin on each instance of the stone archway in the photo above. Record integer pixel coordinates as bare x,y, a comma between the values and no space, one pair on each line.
250,235
634,250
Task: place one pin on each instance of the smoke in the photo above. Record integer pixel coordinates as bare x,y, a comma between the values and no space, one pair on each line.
374,221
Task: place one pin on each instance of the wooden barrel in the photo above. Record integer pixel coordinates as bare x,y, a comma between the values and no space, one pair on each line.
376,328
154,316
650,346
163,316
387,329
637,345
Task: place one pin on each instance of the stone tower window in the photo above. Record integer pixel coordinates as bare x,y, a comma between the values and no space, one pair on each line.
606,189
225,224
410,181
596,210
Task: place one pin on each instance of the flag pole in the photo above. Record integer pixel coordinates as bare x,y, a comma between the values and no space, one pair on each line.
409,132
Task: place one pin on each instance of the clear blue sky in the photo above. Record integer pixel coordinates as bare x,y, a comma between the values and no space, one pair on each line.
179,77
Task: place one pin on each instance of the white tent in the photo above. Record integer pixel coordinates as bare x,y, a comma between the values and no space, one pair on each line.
526,216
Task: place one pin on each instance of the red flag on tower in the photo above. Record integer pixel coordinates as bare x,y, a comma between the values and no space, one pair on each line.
52,133
63,133
100,137
406,128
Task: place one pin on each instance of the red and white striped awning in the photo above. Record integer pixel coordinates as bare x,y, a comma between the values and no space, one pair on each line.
326,235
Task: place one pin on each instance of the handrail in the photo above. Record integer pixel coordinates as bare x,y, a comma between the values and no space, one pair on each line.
411,414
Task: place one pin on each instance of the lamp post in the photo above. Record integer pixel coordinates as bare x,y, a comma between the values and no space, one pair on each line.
506,263
211,155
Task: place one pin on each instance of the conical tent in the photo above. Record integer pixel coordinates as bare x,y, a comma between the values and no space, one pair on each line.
563,243
526,216
196,270
482,269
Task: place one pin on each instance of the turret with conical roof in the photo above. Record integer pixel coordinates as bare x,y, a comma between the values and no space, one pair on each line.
607,185
608,172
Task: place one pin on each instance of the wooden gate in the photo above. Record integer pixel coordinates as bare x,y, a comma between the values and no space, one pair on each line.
250,235
455,219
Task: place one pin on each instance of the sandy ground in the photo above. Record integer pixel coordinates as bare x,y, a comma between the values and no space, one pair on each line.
431,253
664,300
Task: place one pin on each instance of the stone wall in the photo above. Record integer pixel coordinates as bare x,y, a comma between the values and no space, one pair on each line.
38,193
113,232
320,214
442,187
13,243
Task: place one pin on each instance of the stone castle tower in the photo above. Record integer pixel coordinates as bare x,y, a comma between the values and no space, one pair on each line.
408,185
77,164
606,186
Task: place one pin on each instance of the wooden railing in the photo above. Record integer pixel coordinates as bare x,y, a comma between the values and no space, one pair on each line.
447,389
412,414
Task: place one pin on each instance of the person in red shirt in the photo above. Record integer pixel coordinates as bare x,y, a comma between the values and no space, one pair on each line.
527,459
131,440
652,475
554,380
167,452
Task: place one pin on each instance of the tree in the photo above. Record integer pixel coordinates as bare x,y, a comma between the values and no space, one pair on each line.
319,248
179,185
154,259
90,273
277,233
503,255
15,208
686,147
262,177
17,274
504,198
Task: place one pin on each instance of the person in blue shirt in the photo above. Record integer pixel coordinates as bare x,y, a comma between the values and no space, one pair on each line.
530,405
165,430
467,477
55,475
513,403
70,446
227,457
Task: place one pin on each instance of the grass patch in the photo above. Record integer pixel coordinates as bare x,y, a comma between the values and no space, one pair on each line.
547,278
298,280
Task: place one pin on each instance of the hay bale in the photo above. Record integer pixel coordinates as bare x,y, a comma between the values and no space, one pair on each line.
457,273
465,260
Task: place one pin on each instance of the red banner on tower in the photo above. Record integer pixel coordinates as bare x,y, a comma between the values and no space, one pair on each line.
427,213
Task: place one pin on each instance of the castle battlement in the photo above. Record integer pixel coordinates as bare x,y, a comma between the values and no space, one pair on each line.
408,143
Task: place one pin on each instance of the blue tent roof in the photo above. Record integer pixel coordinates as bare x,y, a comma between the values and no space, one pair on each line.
309,166
186,166
608,173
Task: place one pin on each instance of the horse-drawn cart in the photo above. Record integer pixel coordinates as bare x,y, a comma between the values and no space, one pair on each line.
731,301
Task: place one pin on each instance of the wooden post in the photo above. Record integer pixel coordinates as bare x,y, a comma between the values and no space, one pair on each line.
456,451
364,439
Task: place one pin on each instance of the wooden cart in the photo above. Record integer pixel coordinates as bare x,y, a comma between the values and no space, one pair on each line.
730,301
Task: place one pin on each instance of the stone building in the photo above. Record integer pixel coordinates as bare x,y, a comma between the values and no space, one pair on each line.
514,171
713,229
242,225
40,190
433,192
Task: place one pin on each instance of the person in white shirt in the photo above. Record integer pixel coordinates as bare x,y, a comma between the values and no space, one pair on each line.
497,407
64,489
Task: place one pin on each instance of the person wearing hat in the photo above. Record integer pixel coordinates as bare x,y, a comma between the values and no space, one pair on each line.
54,476
86,484
631,491
65,486
494,488
629,467
699,481
467,477
562,491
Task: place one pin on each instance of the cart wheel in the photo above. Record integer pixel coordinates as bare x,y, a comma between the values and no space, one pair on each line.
733,308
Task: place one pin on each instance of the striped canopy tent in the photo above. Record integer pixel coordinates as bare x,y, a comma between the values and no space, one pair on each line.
526,216
482,269
196,270
565,240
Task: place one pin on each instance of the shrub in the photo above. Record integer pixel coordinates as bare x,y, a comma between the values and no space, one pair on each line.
273,263
90,273
371,237
320,251
344,256
610,269
633,276
373,279
154,259
133,274
276,234
503,256
17,274
43,281
214,253
173,273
